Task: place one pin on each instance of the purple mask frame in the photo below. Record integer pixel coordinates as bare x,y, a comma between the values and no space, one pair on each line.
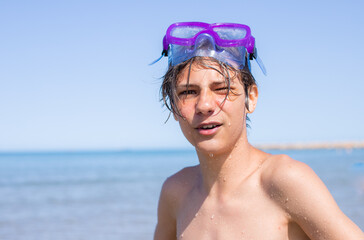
248,41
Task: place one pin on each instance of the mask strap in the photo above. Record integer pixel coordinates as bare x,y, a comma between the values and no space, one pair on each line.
164,54
255,56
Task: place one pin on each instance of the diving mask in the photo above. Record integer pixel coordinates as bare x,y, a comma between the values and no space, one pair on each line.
230,43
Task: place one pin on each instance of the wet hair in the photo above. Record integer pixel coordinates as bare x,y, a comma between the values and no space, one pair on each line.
168,88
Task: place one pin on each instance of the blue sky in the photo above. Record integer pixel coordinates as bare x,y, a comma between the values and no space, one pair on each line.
75,75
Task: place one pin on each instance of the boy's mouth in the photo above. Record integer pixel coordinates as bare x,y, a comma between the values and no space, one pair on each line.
210,126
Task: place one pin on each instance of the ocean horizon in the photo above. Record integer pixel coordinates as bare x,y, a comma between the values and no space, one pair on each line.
348,145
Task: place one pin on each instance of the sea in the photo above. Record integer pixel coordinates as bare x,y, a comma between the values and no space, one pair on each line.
114,195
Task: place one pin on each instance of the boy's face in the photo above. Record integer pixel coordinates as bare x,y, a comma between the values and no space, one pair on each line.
209,122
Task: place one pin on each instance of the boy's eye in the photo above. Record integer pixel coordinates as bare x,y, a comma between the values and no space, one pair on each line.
223,89
187,92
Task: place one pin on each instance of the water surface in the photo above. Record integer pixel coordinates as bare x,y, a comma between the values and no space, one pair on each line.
114,195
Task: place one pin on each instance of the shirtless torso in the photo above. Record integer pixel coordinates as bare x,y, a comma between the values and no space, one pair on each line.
248,212
278,198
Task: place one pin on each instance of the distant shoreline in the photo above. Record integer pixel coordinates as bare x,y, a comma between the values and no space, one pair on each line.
319,145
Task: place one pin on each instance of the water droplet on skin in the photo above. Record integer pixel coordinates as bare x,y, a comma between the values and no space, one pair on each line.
211,155
212,217
229,124
196,214
286,200
182,235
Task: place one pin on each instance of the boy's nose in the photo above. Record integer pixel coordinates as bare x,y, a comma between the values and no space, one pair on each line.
205,103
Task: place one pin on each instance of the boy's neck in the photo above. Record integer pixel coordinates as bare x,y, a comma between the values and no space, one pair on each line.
222,173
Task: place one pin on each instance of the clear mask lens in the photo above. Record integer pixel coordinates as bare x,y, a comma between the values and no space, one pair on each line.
185,31
230,33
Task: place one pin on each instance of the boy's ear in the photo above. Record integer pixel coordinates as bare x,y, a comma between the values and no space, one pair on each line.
252,98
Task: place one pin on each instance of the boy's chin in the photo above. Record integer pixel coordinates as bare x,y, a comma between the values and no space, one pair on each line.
210,147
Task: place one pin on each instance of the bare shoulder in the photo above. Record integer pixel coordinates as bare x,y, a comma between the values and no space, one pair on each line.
287,180
282,176
283,171
177,186
296,188
173,191
181,182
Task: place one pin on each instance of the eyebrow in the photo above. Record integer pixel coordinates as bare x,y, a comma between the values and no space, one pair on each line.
216,83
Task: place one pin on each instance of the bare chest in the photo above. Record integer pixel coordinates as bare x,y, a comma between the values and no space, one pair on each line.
236,218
